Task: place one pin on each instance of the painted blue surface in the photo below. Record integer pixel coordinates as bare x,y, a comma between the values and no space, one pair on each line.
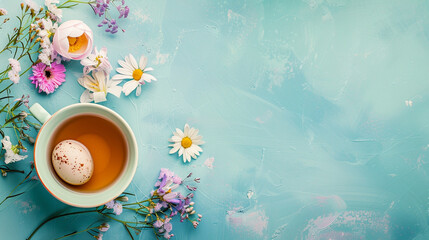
302,105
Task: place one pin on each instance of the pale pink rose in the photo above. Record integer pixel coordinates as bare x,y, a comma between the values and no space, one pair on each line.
73,40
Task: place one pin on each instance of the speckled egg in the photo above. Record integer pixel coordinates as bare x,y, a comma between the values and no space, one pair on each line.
72,162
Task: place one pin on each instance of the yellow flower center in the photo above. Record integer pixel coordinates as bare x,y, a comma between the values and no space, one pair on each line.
137,74
186,142
77,43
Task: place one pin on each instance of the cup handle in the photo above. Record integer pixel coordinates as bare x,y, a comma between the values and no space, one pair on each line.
40,113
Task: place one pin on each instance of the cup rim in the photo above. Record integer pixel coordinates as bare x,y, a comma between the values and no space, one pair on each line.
123,181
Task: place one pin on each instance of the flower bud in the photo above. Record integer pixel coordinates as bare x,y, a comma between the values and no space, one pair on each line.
73,40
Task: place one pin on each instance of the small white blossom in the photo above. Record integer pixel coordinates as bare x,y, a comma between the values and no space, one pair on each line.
16,66
12,152
13,76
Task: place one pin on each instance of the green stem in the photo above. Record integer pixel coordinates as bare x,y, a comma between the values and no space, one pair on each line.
58,216
16,187
74,233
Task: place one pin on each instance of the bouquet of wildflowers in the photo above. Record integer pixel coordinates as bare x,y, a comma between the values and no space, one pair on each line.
156,212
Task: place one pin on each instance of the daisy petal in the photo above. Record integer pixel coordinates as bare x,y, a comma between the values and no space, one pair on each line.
143,62
120,76
115,90
148,69
124,71
139,90
181,135
148,78
197,148
181,151
186,130
175,139
175,148
125,65
129,87
133,61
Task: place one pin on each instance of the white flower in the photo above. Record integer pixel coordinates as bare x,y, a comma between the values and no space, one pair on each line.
45,56
3,11
55,13
48,29
186,143
97,61
99,236
12,152
117,208
15,65
13,76
130,70
32,5
98,86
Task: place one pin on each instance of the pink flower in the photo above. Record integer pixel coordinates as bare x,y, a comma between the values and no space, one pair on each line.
48,78
73,39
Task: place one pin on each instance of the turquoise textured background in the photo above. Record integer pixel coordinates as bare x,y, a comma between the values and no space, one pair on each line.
302,104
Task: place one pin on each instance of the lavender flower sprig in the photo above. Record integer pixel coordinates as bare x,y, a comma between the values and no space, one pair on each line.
102,8
154,213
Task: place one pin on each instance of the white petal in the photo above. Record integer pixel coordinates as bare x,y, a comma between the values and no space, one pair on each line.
181,135
148,78
86,97
139,90
186,130
125,65
197,148
115,90
99,97
148,69
197,142
191,133
175,139
143,62
175,148
133,61
194,133
129,87
124,71
120,76
181,151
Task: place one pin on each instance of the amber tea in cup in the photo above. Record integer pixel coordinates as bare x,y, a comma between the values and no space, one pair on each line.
104,140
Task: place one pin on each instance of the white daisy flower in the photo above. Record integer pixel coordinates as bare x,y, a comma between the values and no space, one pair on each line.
12,152
97,60
98,86
187,143
130,70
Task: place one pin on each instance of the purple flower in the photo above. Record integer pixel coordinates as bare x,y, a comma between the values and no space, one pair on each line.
48,78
